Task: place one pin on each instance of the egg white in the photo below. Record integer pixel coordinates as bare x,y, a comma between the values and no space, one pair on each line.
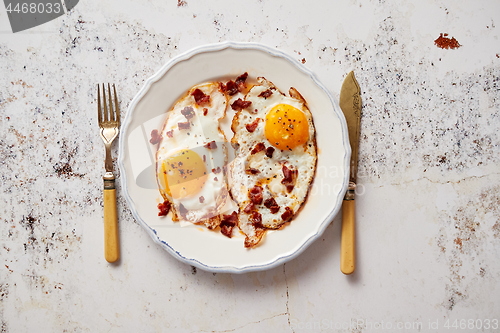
303,158
204,128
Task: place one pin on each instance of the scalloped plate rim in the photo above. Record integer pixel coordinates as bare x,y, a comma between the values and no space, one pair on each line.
158,75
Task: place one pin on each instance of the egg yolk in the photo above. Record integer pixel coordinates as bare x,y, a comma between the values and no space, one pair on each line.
286,127
184,174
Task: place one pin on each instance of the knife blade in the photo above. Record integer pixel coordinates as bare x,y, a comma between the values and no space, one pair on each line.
350,103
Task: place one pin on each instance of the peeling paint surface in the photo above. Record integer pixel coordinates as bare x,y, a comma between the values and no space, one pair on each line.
428,216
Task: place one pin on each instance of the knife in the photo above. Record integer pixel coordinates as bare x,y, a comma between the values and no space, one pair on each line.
350,103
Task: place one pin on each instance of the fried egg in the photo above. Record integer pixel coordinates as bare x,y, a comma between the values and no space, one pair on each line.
275,160
191,156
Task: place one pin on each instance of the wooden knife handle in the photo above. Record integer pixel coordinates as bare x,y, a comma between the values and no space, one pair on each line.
347,243
111,244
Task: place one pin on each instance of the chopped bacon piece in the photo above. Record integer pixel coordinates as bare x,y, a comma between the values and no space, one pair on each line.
231,88
240,81
266,93
248,208
289,175
211,145
240,104
155,137
184,125
287,215
252,171
205,111
188,112
252,126
164,208
269,202
269,152
170,133
230,219
256,219
202,199
258,147
255,195
272,205
227,224
200,97
226,230
216,170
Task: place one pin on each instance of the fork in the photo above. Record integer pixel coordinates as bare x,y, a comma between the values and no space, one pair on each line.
109,125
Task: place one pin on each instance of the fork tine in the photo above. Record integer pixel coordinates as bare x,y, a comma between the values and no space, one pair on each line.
99,111
111,113
105,107
117,109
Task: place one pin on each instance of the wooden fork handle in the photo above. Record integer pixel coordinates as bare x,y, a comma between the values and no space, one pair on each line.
111,244
347,243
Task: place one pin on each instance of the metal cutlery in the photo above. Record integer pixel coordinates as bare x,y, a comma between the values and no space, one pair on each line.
109,124
350,103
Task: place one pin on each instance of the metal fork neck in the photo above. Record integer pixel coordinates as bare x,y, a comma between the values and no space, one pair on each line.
108,163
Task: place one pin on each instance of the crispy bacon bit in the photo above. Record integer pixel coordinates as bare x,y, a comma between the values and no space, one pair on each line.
202,199
200,97
211,145
204,158
270,202
258,147
155,137
226,230
255,195
227,224
188,112
287,215
289,175
248,208
240,104
230,219
164,208
170,133
269,152
184,125
216,179
256,219
266,93
205,111
252,171
289,188
231,88
272,205
252,126
240,81
216,170
183,211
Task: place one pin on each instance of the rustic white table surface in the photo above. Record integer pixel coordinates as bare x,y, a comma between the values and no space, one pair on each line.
428,225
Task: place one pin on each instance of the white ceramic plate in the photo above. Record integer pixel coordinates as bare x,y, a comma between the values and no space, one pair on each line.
196,245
